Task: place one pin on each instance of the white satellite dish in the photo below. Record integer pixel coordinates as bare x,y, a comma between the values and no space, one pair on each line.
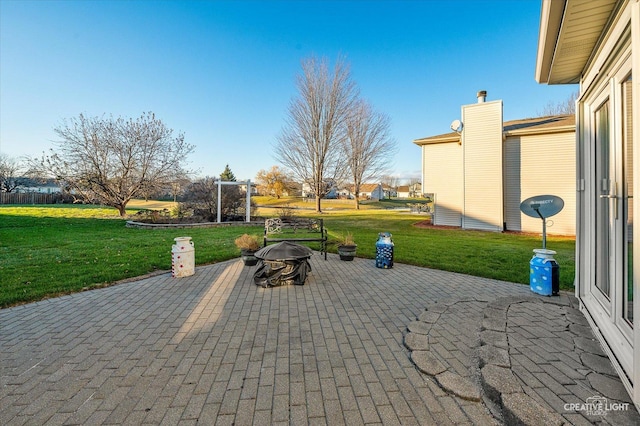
456,126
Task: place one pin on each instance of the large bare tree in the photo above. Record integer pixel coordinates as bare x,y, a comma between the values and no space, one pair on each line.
368,147
310,142
112,160
10,174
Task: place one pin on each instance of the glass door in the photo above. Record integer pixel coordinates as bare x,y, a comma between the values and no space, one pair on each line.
611,287
605,203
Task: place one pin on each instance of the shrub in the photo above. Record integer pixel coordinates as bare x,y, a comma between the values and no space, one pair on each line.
247,242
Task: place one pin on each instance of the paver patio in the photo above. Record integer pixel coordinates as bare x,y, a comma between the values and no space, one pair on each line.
349,347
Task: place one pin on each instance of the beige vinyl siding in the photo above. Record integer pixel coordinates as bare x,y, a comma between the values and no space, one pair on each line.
443,177
548,166
512,190
482,144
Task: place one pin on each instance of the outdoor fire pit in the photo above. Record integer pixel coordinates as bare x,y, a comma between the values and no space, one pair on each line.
284,263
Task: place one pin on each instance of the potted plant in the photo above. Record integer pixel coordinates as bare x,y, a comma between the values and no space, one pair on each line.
347,248
248,245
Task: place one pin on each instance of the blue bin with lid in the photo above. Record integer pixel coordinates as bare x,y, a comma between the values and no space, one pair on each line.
544,273
384,251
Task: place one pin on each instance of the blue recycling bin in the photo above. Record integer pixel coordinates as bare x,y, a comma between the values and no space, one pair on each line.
384,251
544,273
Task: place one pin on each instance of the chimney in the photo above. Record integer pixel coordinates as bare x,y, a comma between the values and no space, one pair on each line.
482,96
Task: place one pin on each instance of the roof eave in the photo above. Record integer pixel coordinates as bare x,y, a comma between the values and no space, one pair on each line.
550,22
539,131
432,141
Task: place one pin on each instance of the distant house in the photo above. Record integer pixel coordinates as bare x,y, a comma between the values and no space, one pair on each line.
372,191
480,174
253,186
307,191
389,191
404,191
49,186
415,190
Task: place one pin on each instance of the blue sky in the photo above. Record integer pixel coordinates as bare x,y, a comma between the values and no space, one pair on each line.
223,72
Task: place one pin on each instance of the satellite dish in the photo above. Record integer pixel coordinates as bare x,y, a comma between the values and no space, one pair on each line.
542,206
456,126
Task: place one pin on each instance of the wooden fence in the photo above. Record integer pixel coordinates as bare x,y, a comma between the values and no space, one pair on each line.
29,198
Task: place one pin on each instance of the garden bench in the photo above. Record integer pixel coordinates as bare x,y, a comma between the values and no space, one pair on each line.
296,230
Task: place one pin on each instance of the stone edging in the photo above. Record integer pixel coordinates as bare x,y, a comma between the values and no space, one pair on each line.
144,225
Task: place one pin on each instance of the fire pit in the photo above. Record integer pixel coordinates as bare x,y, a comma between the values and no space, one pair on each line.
284,263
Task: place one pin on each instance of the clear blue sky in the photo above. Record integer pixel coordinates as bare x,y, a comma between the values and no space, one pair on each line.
223,72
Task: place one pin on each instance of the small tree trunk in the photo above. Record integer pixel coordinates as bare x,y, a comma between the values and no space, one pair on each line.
122,209
318,205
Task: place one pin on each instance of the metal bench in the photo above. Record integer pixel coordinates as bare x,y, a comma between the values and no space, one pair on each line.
296,230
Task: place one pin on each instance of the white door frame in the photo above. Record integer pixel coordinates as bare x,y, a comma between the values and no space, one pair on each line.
605,313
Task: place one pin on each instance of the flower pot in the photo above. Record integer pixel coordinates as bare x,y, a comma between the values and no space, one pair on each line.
248,257
347,252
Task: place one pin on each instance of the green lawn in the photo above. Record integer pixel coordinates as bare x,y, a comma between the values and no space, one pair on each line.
52,250
503,256
47,251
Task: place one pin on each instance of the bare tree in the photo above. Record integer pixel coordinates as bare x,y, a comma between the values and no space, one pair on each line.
309,144
201,197
568,106
10,174
114,160
368,146
390,181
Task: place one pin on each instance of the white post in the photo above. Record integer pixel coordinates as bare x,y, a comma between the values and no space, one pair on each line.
219,201
248,206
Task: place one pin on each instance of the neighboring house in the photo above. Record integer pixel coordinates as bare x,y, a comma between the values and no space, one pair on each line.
388,191
480,174
409,191
404,191
372,191
308,192
47,187
415,190
597,45
253,187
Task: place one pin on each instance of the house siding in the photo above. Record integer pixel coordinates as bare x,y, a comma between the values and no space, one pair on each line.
548,166
493,166
482,145
443,177
512,187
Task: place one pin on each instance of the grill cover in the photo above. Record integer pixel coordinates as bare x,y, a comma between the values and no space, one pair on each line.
284,263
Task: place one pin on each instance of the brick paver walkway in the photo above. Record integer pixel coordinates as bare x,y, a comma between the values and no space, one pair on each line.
216,349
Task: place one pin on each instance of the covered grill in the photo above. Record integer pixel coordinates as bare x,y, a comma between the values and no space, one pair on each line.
284,263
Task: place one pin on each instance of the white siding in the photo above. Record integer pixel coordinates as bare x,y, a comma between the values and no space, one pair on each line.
512,190
548,166
482,144
442,175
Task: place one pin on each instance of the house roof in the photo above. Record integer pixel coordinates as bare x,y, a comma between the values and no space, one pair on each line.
569,32
527,126
369,187
403,188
